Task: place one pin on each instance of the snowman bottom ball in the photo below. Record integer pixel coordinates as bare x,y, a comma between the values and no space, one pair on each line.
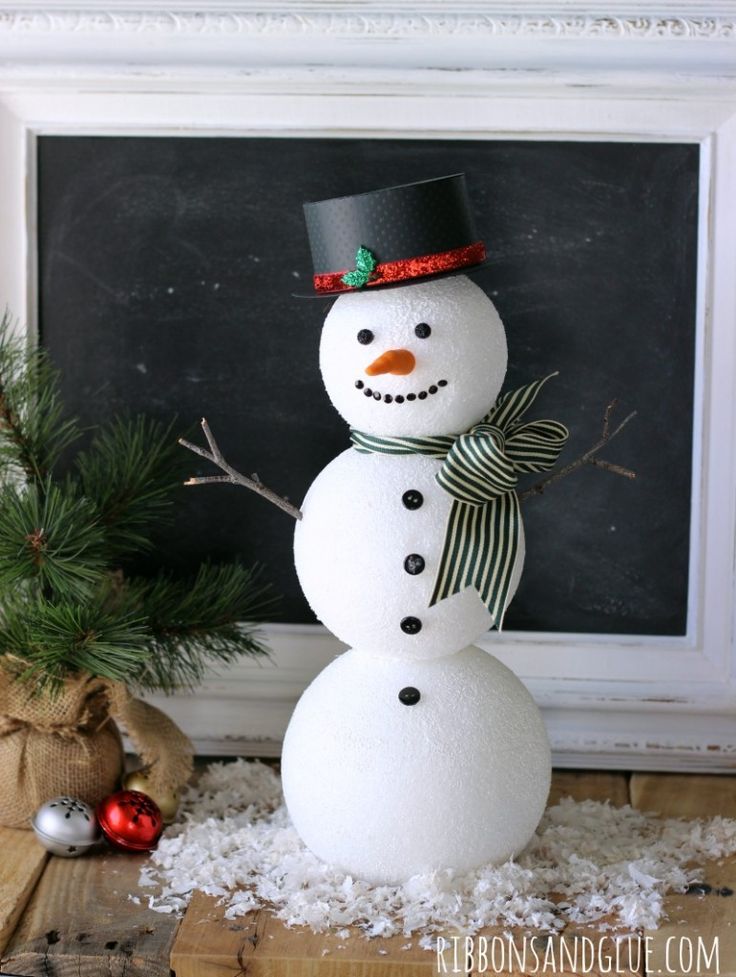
394,768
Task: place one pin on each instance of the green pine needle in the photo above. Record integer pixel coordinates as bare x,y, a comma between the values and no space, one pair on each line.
33,429
65,606
200,621
131,470
50,536
55,641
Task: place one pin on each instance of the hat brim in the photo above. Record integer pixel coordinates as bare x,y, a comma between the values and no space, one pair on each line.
468,270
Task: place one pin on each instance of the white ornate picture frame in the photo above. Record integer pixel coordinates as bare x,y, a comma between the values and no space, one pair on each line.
429,70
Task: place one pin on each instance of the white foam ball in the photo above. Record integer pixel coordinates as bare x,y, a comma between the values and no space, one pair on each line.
350,547
385,791
466,348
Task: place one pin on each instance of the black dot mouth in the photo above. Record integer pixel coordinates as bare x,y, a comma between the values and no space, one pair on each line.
399,398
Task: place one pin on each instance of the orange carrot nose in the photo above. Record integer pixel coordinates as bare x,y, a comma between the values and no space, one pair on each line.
398,361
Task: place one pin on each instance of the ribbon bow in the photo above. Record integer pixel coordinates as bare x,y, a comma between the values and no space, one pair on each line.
480,471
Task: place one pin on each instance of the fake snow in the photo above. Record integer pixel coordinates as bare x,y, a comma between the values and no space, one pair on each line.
589,863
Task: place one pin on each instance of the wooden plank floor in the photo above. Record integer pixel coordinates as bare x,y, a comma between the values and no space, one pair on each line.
22,862
87,917
695,917
80,921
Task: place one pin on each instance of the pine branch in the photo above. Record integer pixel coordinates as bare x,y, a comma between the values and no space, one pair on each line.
588,458
52,538
78,615
233,476
55,640
33,430
197,621
64,609
160,634
131,471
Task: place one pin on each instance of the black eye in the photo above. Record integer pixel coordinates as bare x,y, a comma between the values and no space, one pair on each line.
422,330
365,336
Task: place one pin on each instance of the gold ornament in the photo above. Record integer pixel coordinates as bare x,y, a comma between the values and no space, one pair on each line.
167,801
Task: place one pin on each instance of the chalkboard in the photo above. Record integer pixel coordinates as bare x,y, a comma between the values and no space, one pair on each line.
167,267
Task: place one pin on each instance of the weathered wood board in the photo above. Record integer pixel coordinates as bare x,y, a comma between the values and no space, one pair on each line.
22,860
594,785
261,946
699,935
684,795
81,922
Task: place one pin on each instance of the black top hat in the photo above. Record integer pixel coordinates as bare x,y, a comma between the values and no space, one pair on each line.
390,236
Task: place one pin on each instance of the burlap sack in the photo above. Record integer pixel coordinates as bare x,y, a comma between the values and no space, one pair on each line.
70,744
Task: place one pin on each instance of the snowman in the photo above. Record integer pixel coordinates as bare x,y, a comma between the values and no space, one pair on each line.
414,751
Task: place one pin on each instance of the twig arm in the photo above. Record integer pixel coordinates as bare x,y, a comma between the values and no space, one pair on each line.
232,475
589,458
610,467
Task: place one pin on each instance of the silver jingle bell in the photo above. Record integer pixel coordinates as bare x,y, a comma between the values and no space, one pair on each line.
66,826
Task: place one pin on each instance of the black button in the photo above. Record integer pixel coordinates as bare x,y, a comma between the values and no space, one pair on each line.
409,696
412,499
411,625
414,563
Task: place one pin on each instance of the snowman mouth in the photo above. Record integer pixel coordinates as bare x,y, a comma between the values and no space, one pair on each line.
399,398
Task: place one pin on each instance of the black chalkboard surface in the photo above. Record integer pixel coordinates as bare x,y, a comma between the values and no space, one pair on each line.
166,272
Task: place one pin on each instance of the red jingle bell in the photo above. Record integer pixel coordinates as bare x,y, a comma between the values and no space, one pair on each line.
130,820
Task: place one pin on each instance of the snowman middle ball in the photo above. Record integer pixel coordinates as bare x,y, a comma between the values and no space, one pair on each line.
367,562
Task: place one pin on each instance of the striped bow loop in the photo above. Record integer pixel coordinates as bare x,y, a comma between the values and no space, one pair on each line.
480,470
477,468
535,447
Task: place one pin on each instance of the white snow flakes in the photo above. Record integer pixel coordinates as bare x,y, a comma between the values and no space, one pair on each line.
604,865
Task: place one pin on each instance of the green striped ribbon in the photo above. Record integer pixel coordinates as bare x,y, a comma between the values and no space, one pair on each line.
480,472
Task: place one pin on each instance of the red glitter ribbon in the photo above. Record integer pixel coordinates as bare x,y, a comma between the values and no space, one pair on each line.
407,268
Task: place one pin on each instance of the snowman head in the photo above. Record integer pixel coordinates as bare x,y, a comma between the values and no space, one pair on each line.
416,360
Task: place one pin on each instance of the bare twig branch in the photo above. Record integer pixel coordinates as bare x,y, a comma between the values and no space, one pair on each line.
202,452
607,418
233,476
588,458
216,453
208,480
610,467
